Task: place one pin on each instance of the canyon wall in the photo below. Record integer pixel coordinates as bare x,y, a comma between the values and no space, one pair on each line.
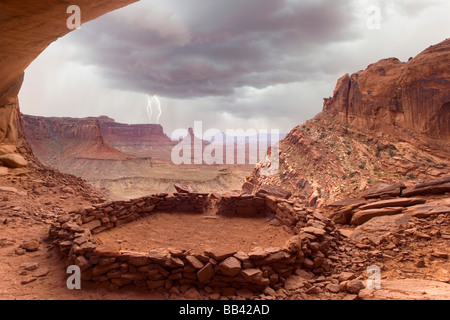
121,133
391,95
27,30
56,141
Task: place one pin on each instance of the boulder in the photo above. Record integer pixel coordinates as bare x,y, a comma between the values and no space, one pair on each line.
13,160
363,216
379,227
268,190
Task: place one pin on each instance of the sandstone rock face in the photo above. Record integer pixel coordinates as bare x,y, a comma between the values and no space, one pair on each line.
120,133
391,95
7,149
58,140
27,30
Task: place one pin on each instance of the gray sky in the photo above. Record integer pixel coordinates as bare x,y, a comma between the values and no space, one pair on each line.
262,64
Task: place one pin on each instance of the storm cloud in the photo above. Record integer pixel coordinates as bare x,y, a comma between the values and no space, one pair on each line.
232,64
212,47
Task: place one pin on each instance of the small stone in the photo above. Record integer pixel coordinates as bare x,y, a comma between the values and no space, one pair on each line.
81,262
313,290
420,263
422,235
41,273
346,276
193,261
315,231
293,283
244,293
269,291
228,292
230,267
304,274
257,253
334,288
354,286
30,266
192,294
205,273
30,246
28,280
19,251
214,296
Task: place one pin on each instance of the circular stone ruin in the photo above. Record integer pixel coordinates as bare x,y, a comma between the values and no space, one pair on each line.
220,241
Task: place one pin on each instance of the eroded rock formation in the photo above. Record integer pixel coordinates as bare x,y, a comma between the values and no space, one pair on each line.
387,123
391,95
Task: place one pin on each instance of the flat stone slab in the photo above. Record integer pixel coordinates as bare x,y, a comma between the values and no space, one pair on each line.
434,189
268,190
363,216
426,210
408,289
398,202
385,190
377,228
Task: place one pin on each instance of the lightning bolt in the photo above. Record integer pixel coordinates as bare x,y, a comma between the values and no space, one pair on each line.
153,101
158,104
149,108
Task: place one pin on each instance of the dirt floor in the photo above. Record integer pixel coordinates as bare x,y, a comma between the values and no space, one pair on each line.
196,233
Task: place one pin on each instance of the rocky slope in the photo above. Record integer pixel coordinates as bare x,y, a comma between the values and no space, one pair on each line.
391,96
389,122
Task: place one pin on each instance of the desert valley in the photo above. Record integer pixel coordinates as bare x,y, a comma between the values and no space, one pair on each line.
362,190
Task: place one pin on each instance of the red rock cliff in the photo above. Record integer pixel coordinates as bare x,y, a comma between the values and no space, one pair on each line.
119,133
391,95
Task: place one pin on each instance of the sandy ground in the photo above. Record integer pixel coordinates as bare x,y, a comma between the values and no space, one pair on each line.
196,233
